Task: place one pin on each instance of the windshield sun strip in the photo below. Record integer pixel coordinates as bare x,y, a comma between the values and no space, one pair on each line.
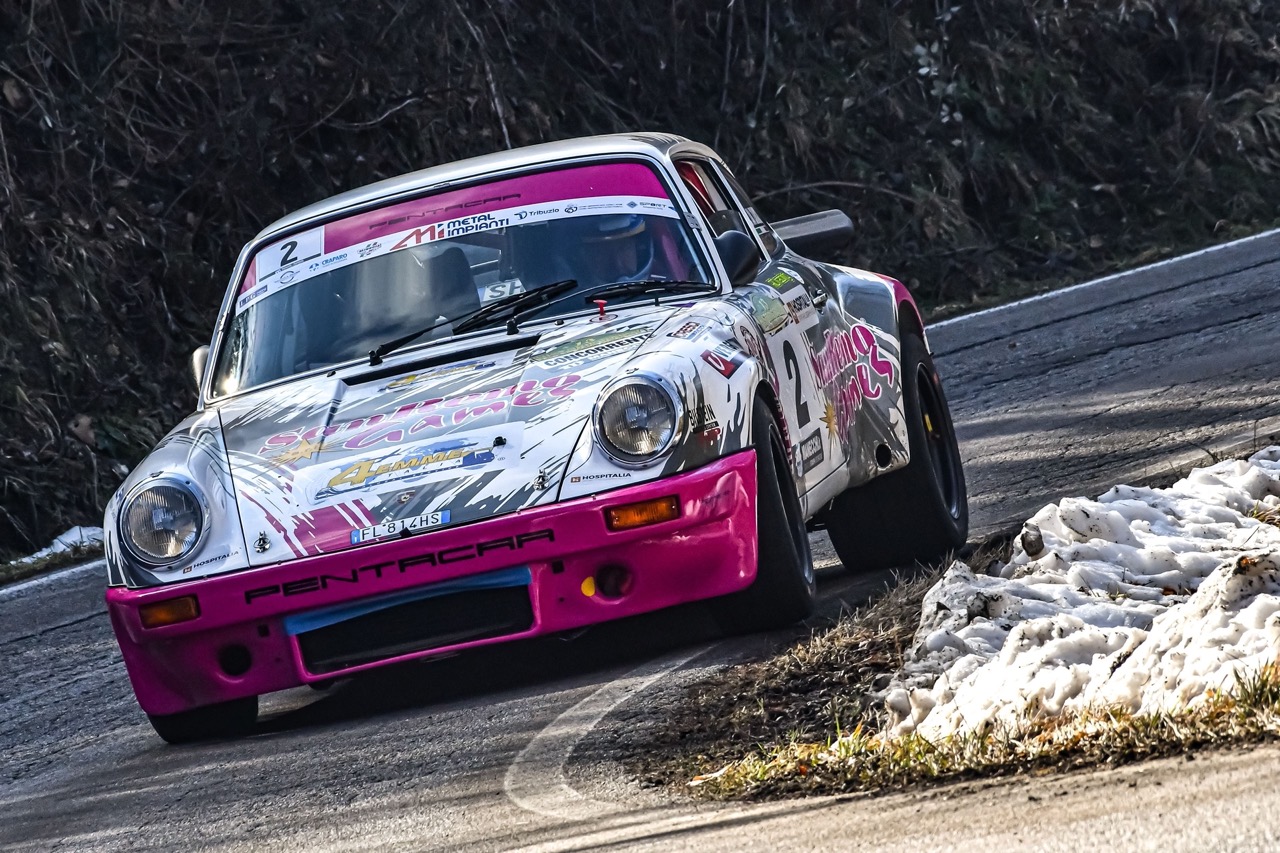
218,360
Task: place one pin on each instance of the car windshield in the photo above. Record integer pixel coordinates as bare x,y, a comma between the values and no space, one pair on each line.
335,292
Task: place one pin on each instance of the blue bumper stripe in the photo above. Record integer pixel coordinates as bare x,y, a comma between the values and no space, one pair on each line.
300,623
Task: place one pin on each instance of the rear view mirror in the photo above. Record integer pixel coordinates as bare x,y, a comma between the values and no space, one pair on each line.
739,254
199,359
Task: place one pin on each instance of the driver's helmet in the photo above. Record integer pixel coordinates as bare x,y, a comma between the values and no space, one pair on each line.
616,247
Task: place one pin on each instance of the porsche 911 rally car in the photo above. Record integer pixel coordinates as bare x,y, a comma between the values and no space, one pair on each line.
517,395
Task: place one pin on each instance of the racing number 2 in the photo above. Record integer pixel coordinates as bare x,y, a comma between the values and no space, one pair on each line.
793,374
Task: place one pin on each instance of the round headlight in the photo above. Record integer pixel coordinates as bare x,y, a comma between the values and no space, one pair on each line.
163,522
639,419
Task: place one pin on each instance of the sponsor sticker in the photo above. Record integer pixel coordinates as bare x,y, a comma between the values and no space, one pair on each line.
582,350
587,478
375,573
500,290
394,469
851,368
216,559
705,425
811,454
431,458
417,420
396,526
724,358
779,280
441,372
324,263
252,296
769,309
688,330
453,228
799,306
704,418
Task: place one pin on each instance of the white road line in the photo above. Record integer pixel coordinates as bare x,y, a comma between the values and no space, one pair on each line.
41,580
661,829
535,780
995,309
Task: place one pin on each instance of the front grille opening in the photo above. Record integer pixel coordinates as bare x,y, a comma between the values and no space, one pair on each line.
417,626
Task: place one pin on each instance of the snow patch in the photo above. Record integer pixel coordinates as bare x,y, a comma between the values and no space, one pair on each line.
1146,599
76,537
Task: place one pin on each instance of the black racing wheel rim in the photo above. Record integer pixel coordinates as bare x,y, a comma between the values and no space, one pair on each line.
944,456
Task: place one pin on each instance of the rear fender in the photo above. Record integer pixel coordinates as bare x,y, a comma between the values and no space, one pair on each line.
880,432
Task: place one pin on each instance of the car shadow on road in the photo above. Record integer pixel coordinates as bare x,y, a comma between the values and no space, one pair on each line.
545,664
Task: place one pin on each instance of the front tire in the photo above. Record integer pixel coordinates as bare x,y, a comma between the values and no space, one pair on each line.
210,722
921,512
784,591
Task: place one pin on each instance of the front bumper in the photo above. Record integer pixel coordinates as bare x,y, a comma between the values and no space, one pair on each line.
257,629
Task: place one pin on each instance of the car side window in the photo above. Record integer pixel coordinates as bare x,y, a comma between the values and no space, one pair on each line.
723,202
762,228
713,199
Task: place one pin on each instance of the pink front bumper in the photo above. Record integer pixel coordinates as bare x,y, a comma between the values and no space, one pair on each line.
710,550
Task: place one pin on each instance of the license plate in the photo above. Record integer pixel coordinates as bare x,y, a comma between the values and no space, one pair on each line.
397,526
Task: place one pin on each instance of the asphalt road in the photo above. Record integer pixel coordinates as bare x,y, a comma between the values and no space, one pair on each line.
1131,378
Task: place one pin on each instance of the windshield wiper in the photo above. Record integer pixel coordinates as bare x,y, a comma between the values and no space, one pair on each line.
648,285
474,319
514,302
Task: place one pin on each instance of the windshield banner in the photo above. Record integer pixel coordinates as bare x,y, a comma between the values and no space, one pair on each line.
613,188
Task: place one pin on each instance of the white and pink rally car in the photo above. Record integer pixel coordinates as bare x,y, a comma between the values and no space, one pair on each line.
517,395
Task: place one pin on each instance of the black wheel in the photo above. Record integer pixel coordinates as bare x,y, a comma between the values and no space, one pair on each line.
784,591
212,722
920,512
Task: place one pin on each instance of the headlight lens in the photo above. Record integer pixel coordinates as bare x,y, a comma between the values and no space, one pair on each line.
638,419
163,522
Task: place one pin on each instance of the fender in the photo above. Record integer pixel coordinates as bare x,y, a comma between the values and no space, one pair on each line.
867,310
716,379
194,450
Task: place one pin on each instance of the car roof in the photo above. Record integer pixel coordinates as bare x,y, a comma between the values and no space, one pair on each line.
641,144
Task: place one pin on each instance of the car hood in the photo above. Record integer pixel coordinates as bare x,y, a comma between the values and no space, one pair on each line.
339,460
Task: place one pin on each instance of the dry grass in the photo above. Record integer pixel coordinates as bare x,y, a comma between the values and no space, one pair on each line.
864,761
22,569
1267,515
810,691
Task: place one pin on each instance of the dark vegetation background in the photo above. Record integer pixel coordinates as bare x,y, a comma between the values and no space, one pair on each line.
981,148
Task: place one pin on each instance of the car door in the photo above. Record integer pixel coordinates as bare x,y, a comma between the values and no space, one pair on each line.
855,355
788,324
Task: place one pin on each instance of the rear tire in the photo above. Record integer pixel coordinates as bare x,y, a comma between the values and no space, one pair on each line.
918,513
784,591
210,722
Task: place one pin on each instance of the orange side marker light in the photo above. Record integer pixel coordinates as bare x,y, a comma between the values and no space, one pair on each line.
641,514
171,611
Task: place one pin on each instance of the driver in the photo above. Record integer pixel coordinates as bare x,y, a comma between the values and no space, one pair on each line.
613,248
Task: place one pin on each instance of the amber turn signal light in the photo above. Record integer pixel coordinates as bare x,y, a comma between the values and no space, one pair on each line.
643,513
157,614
